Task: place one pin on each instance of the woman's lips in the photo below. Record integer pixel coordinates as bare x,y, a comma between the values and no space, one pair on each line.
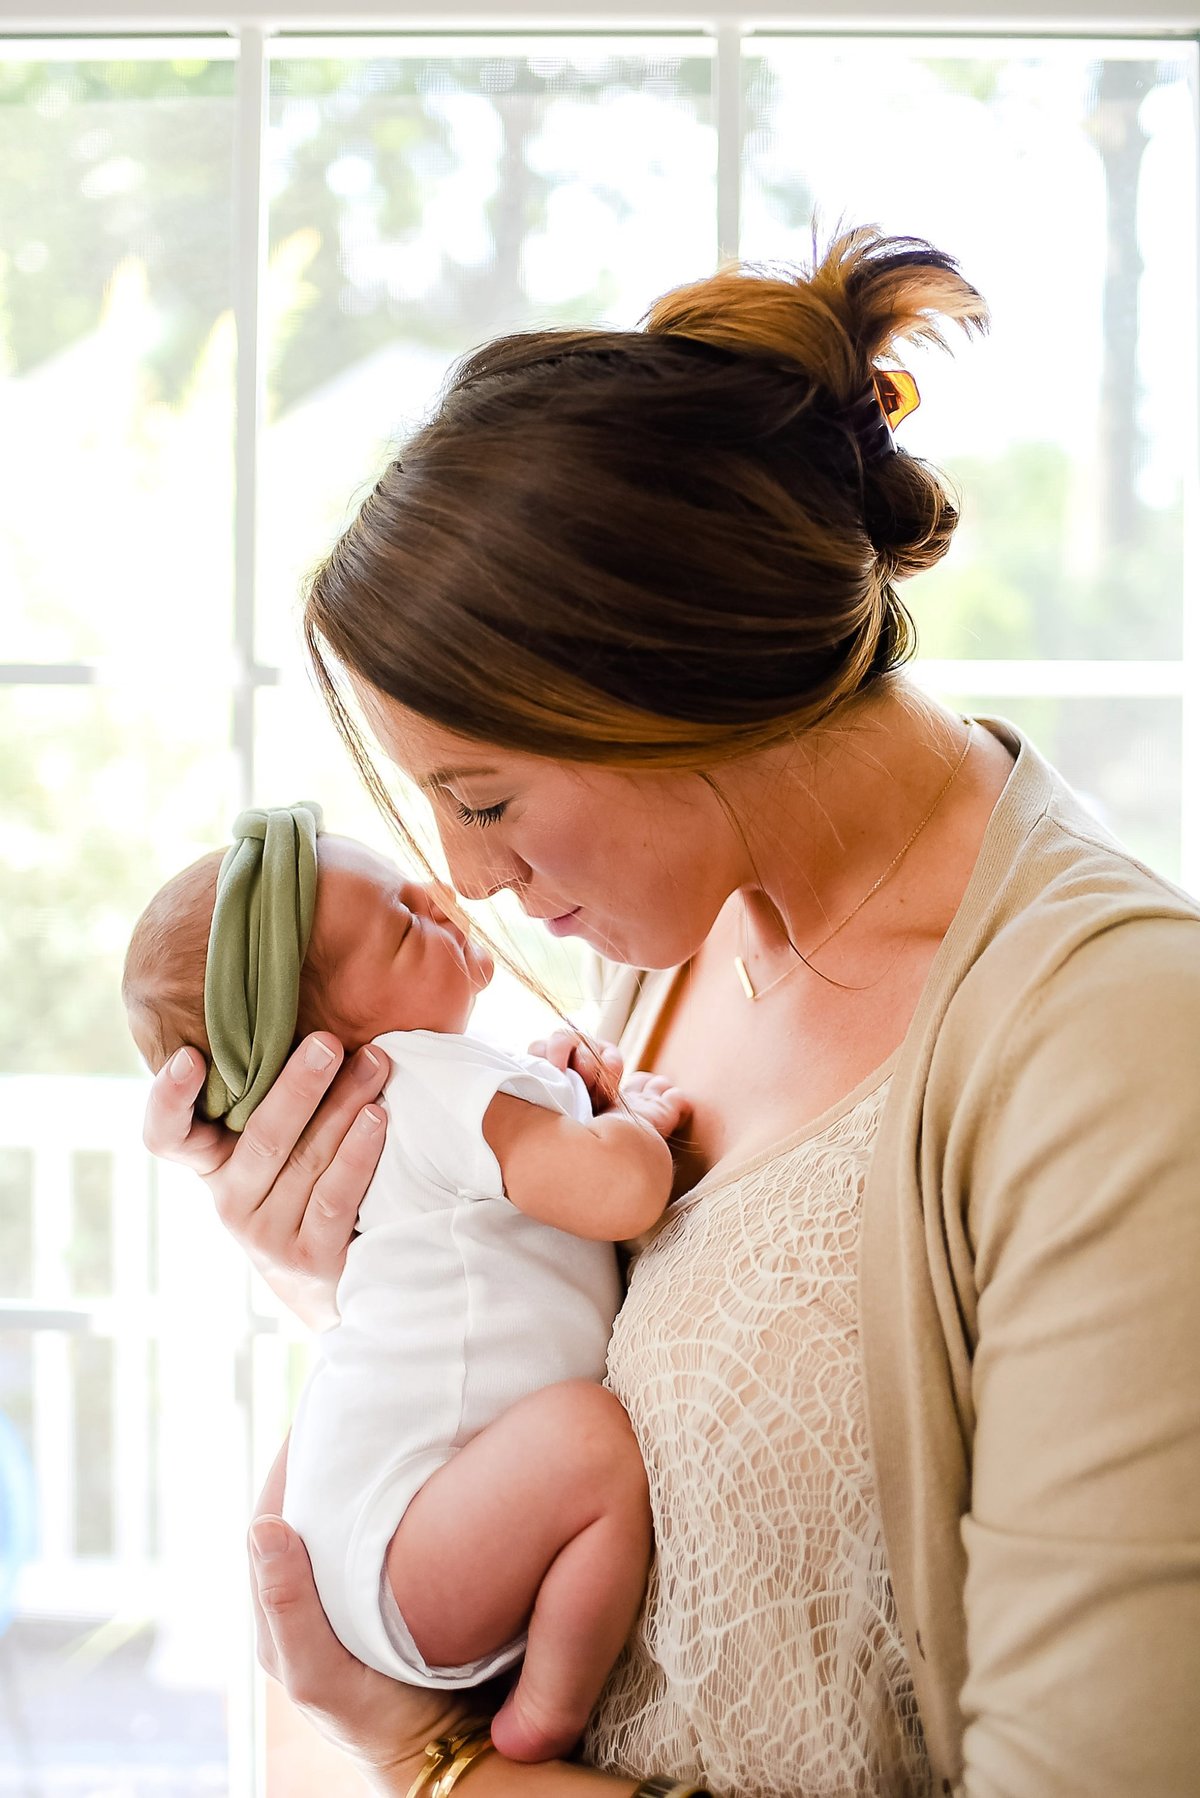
561,926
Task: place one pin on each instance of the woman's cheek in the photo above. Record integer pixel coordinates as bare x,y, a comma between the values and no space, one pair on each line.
566,860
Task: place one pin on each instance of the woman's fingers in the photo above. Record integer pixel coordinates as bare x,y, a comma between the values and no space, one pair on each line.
299,1649
171,1129
269,1505
294,1137
277,1131
384,1724
288,1188
330,1215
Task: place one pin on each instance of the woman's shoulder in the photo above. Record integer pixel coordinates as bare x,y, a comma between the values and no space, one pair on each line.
1072,882
1050,878
1082,990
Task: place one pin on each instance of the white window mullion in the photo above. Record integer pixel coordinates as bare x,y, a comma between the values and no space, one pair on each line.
1067,17
1189,847
130,1200
246,1714
249,254
727,93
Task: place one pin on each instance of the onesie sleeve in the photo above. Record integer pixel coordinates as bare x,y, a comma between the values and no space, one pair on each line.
440,1088
1082,1591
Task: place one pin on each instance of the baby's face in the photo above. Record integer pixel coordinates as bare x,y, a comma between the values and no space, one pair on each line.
394,959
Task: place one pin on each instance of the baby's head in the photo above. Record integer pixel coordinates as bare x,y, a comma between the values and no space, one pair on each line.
382,955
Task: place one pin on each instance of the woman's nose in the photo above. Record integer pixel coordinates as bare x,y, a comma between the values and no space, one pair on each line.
478,871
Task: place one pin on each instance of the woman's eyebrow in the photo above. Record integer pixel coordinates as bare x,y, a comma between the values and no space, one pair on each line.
440,776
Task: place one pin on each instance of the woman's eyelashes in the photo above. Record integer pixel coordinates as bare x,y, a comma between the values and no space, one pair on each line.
488,814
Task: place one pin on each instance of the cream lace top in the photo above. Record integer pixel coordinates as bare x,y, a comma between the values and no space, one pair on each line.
767,1658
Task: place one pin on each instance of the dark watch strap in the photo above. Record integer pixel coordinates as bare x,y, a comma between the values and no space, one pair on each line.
670,1788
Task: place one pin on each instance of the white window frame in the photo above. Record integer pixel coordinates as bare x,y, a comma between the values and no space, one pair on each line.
251,36
138,27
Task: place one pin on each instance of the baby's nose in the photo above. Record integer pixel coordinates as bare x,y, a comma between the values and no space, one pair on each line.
419,898
441,906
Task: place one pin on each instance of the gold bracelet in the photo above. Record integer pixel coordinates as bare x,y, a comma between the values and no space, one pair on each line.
448,1757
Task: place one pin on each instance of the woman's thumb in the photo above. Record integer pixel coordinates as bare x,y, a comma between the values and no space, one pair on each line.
283,1591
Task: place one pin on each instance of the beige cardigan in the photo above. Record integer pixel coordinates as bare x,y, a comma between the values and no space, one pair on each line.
1030,1317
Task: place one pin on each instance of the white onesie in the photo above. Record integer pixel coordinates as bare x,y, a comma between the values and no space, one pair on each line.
453,1305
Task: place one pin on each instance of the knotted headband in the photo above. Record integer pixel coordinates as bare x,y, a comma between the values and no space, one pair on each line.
261,923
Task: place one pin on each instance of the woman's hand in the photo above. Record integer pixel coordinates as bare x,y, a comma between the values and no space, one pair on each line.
566,1049
289,1187
381,1724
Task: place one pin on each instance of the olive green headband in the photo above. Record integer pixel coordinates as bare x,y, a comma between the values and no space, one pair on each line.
261,923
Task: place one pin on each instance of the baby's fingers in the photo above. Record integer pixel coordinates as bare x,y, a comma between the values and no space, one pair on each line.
557,1048
663,1106
677,1107
565,1050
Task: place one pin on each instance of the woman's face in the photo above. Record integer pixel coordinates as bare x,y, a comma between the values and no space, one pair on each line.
637,864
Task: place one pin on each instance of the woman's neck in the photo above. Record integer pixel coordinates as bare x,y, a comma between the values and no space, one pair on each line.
823,817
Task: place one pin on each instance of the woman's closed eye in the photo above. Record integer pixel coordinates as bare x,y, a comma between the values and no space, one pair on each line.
488,814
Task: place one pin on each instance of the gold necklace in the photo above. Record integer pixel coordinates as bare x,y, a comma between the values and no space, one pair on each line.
739,962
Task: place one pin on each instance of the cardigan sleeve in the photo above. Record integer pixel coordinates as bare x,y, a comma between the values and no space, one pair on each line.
1082,1593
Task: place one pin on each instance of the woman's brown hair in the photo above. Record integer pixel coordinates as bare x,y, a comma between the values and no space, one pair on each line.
654,548
657,547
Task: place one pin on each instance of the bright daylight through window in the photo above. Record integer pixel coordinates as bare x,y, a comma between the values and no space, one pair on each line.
420,195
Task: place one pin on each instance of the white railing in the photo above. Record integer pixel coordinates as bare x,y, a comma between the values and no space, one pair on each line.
176,1473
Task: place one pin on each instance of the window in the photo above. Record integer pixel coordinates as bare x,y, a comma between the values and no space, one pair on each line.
161,495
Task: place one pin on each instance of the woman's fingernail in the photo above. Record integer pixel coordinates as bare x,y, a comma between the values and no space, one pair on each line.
269,1539
372,1060
370,1119
317,1056
181,1065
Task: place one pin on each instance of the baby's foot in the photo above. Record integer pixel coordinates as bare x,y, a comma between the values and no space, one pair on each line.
521,1734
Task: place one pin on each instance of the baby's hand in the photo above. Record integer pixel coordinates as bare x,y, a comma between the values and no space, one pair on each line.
652,1098
564,1049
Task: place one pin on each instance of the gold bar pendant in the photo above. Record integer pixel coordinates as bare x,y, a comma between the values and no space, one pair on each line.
743,976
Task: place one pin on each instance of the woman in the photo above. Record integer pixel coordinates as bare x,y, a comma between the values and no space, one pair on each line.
913,1359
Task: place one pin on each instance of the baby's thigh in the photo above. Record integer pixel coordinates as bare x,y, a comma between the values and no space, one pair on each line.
474,1545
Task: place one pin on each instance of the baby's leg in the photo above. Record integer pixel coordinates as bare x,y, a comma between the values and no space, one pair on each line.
545,1512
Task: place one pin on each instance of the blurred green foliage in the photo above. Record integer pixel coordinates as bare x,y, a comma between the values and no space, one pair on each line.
102,160
102,800
1014,584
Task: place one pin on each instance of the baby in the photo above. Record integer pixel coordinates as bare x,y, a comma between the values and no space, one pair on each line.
467,1490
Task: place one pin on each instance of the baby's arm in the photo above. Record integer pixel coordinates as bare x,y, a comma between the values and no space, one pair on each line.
607,1179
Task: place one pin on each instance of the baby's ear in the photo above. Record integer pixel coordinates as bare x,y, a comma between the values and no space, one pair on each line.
312,990
318,1009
